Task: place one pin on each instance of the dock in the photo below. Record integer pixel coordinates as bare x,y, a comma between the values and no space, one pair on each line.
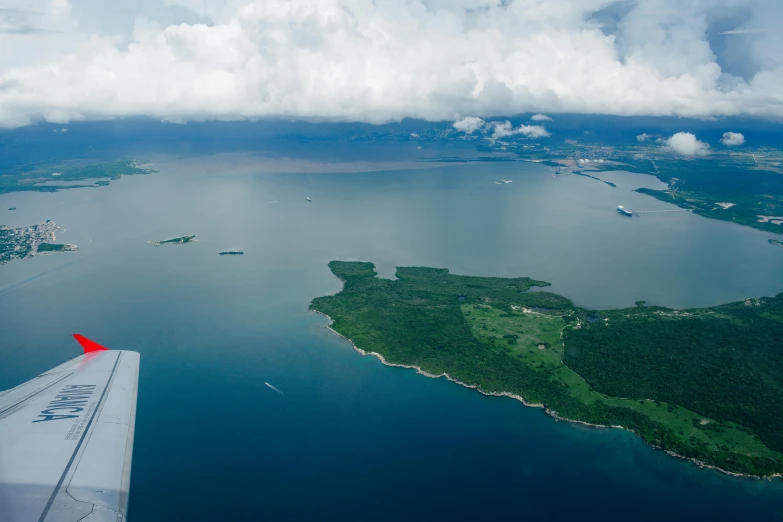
665,210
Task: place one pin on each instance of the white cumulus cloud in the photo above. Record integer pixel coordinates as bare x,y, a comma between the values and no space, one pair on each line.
505,129
732,139
469,124
641,138
687,144
384,60
540,117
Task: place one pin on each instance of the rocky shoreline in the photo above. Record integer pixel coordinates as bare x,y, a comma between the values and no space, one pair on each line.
550,412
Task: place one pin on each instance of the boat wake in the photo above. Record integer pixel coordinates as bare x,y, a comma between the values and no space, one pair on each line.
275,389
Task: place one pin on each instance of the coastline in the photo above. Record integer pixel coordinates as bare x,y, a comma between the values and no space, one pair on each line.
548,411
39,239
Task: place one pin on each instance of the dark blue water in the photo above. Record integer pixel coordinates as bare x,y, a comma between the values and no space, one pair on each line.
351,439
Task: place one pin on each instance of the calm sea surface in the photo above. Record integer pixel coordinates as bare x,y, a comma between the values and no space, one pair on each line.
348,438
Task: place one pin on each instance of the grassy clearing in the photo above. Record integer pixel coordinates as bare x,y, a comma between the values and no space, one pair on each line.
521,334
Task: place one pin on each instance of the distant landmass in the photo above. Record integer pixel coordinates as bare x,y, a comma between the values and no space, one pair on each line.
23,242
702,384
745,187
175,241
741,184
54,176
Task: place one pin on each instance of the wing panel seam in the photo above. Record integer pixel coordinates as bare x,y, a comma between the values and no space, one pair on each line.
36,392
81,440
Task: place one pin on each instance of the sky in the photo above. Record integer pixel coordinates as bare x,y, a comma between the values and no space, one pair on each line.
385,60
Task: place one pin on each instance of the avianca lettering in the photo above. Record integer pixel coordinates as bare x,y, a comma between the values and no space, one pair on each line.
72,399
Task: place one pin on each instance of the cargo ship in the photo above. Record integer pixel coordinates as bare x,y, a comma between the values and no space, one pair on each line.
624,211
231,253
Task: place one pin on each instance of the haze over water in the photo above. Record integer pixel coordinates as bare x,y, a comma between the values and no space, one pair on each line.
349,438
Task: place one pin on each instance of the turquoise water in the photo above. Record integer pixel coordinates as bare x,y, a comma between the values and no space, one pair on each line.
348,438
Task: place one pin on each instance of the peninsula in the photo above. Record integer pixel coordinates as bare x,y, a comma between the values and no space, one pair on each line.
29,241
702,384
54,176
743,186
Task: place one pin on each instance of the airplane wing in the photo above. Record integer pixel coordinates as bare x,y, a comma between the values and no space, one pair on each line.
66,440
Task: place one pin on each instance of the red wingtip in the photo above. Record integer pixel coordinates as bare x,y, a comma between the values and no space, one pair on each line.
88,345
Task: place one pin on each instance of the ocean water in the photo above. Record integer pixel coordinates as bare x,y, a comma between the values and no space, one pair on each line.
349,438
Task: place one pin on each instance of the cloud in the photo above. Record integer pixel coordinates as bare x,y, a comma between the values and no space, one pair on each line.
686,144
744,31
504,129
641,138
20,20
731,139
540,117
500,130
469,124
384,60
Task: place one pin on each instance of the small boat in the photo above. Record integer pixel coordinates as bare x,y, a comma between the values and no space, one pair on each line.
624,211
308,199
231,253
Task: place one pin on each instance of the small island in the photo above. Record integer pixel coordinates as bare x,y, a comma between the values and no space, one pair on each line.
231,253
175,241
701,384
48,248
29,241
775,242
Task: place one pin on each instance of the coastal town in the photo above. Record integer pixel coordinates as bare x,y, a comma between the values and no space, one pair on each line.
30,240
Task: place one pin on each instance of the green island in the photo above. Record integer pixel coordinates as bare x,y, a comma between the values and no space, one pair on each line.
50,177
703,384
175,241
46,248
29,241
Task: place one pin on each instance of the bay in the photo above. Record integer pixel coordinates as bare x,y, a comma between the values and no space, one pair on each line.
349,438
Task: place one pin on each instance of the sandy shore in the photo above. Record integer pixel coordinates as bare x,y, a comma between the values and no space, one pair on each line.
534,405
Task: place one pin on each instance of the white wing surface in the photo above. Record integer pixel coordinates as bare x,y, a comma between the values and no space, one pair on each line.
66,440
